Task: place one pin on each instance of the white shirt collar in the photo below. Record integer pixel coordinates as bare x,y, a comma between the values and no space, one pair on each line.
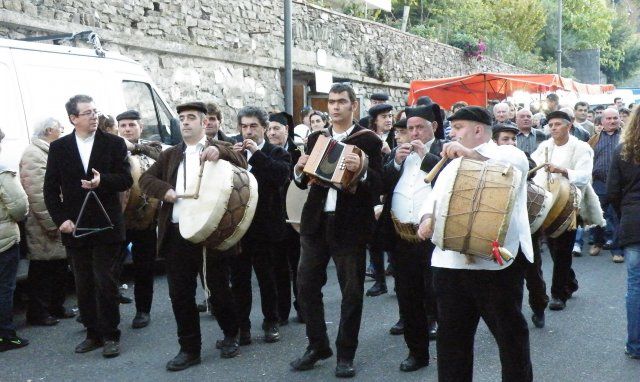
87,139
199,145
343,135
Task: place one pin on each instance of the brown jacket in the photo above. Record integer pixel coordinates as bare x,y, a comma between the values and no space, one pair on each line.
161,177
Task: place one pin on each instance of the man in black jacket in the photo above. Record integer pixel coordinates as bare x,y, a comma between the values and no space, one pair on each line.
270,164
403,180
336,225
83,161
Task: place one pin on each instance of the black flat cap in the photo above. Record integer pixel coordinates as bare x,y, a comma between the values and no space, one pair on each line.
379,109
197,106
559,114
424,101
500,127
431,113
472,113
401,124
380,97
284,119
129,114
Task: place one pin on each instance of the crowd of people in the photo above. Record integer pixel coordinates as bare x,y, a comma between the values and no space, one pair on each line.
73,191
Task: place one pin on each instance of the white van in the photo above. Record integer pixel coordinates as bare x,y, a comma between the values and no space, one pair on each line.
36,80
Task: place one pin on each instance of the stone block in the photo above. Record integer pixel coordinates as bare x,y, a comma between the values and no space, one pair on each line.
13,5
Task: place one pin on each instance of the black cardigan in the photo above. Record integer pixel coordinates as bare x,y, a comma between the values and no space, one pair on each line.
623,189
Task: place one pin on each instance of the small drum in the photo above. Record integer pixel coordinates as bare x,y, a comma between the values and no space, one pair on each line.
563,213
406,231
296,198
539,203
224,209
474,214
140,210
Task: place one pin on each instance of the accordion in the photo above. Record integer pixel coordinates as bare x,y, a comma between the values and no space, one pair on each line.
326,163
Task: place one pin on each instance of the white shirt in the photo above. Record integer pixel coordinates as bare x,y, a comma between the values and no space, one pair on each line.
192,157
85,145
250,154
518,233
411,190
332,195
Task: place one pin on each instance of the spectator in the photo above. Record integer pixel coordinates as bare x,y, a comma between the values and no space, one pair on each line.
501,112
618,103
13,208
580,110
48,260
598,110
318,121
537,118
107,124
528,139
302,130
624,116
597,124
591,116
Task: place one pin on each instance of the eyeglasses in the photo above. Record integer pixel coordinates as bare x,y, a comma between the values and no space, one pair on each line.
90,113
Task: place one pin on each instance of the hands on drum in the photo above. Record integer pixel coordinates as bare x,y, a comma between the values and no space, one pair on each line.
556,169
210,153
93,183
425,230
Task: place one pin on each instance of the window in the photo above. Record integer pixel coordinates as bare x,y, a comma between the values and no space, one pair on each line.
156,118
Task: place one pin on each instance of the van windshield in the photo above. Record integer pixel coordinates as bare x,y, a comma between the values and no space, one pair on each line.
156,118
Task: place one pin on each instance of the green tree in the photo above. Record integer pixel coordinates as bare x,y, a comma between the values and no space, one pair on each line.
521,21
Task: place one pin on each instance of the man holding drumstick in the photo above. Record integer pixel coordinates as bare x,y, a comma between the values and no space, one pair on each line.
464,291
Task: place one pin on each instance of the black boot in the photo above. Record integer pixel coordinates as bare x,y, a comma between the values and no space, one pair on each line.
380,287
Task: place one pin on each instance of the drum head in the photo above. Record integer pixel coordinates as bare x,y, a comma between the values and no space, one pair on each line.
296,198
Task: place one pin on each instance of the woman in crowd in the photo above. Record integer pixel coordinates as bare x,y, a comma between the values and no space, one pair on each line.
318,121
48,267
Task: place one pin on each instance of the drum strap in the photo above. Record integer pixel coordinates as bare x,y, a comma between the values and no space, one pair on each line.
207,292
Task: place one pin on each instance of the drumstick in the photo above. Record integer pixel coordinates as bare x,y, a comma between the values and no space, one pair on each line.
538,167
196,194
435,170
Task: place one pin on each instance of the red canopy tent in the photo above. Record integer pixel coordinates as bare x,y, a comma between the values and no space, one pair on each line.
478,88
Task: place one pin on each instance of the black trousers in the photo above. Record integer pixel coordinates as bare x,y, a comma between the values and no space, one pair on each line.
414,287
184,260
538,298
262,256
463,297
143,252
376,254
563,281
94,269
349,259
47,281
286,272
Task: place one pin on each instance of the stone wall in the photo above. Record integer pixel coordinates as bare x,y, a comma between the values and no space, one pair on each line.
231,52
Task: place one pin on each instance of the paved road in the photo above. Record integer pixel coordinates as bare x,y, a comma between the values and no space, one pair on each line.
585,342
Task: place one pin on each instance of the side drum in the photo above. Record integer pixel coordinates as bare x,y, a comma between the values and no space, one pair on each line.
563,213
539,202
140,210
223,212
295,200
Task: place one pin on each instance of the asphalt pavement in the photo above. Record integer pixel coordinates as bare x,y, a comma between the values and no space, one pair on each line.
585,342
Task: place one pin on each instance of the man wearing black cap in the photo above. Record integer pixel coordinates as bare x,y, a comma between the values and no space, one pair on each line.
336,225
175,168
572,159
271,165
403,180
376,99
141,235
467,291
280,133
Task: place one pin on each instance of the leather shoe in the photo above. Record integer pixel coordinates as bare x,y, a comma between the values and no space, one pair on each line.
64,313
141,320
244,338
271,333
124,299
608,245
595,250
398,328
370,272
414,363
433,330
344,369
557,304
182,361
229,347
309,359
617,259
202,307
45,321
377,289
88,345
538,319
111,349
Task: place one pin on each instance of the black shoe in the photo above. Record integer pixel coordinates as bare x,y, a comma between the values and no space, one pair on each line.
398,328
608,245
244,338
377,289
271,333
12,343
64,313
229,347
182,361
124,299
141,320
344,369
309,359
45,321
88,345
433,330
111,349
414,363
538,319
370,272
202,307
557,304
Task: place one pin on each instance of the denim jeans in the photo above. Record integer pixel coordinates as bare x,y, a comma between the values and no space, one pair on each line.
632,258
9,260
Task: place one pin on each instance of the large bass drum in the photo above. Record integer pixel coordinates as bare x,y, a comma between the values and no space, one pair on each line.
296,198
140,211
539,202
223,212
564,211
476,210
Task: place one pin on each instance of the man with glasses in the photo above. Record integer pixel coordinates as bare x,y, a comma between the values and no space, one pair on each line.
89,160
